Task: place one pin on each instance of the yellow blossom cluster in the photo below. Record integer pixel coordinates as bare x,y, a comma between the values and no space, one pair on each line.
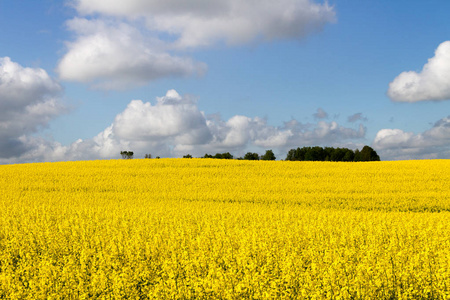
225,229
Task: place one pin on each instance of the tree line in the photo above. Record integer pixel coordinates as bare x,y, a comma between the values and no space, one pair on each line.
300,154
269,155
332,154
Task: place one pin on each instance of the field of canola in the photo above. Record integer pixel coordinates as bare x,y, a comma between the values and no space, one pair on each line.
221,229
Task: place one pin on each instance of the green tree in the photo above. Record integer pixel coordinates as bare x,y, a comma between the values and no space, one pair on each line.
187,156
329,151
357,156
251,156
337,154
324,154
291,155
268,155
315,154
349,155
127,154
297,154
226,155
368,154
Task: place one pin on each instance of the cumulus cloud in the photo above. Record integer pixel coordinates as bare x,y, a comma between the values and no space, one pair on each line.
356,117
203,23
240,132
173,117
116,55
398,144
432,83
122,44
174,126
29,99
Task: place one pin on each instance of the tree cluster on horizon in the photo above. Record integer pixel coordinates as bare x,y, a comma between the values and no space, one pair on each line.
255,156
127,154
332,154
315,153
269,155
226,155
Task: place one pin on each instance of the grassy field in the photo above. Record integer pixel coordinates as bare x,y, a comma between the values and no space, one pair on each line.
225,229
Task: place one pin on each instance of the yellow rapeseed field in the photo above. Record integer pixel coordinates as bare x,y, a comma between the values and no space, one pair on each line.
225,229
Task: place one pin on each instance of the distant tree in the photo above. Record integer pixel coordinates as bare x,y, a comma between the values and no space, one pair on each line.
311,154
127,154
368,154
268,155
332,154
291,155
357,156
157,157
349,155
251,156
148,156
297,154
187,156
226,155
342,154
337,154
315,154
328,153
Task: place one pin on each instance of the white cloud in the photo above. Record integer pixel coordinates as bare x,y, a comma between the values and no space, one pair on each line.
203,23
173,116
21,86
29,99
136,8
432,83
174,126
130,43
326,133
184,129
116,55
398,144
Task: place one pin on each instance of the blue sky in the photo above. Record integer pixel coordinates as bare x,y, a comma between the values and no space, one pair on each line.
87,79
